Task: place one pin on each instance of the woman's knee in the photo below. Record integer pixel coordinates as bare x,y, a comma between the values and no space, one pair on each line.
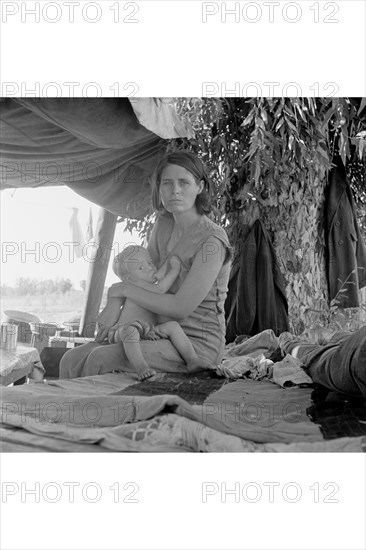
65,365
105,359
69,364
95,362
72,362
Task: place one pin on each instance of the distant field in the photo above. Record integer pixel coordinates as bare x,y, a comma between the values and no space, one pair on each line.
51,308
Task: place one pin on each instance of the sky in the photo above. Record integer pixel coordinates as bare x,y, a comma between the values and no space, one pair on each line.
35,226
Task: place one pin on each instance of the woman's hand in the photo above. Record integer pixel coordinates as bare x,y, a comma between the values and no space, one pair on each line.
107,318
117,290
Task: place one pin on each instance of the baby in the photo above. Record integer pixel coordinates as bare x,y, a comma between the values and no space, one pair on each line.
137,323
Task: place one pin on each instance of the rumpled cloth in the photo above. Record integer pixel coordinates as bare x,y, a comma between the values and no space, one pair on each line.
250,360
245,366
289,372
18,359
78,411
265,342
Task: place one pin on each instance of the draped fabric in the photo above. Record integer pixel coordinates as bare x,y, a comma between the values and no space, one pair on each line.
256,298
96,146
156,115
76,233
345,245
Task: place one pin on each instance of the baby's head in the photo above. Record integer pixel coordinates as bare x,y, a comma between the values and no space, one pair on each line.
134,263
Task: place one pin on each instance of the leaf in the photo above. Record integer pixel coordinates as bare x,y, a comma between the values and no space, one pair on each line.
322,152
361,147
264,116
248,119
279,124
362,106
278,111
300,112
288,109
257,171
223,142
342,148
290,141
292,126
259,122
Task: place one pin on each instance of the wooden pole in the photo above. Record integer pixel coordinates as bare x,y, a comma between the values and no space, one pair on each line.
98,253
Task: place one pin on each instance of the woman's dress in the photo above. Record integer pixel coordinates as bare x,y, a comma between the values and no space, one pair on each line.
205,327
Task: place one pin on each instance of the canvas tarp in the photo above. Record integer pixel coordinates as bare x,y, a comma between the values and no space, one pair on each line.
242,416
96,146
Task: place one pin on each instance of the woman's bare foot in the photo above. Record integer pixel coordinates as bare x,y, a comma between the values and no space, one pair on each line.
145,373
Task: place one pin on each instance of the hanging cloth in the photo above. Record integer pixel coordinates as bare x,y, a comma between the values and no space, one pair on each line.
76,233
256,298
345,245
89,227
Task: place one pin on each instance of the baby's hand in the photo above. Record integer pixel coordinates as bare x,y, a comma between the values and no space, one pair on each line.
175,262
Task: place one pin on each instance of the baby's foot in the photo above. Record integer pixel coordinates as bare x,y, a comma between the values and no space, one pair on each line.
145,374
152,335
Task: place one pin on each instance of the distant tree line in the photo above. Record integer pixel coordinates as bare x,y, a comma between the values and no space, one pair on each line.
27,286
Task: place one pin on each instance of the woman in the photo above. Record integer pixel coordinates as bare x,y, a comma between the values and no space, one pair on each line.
182,197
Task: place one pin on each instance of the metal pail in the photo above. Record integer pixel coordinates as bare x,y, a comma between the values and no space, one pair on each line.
9,336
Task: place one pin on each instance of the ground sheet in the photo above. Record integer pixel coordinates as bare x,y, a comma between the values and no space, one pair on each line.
176,413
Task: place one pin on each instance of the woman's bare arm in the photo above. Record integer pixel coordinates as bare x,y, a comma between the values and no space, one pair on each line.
160,274
162,286
202,275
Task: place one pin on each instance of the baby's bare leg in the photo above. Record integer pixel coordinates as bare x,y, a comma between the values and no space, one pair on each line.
131,342
181,342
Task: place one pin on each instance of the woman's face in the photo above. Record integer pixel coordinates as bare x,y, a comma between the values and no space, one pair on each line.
178,189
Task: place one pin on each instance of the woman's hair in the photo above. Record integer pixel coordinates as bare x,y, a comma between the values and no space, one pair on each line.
194,165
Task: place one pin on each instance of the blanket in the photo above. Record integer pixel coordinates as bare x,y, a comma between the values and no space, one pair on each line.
116,413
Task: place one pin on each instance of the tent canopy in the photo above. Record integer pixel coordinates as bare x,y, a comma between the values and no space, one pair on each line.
96,146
